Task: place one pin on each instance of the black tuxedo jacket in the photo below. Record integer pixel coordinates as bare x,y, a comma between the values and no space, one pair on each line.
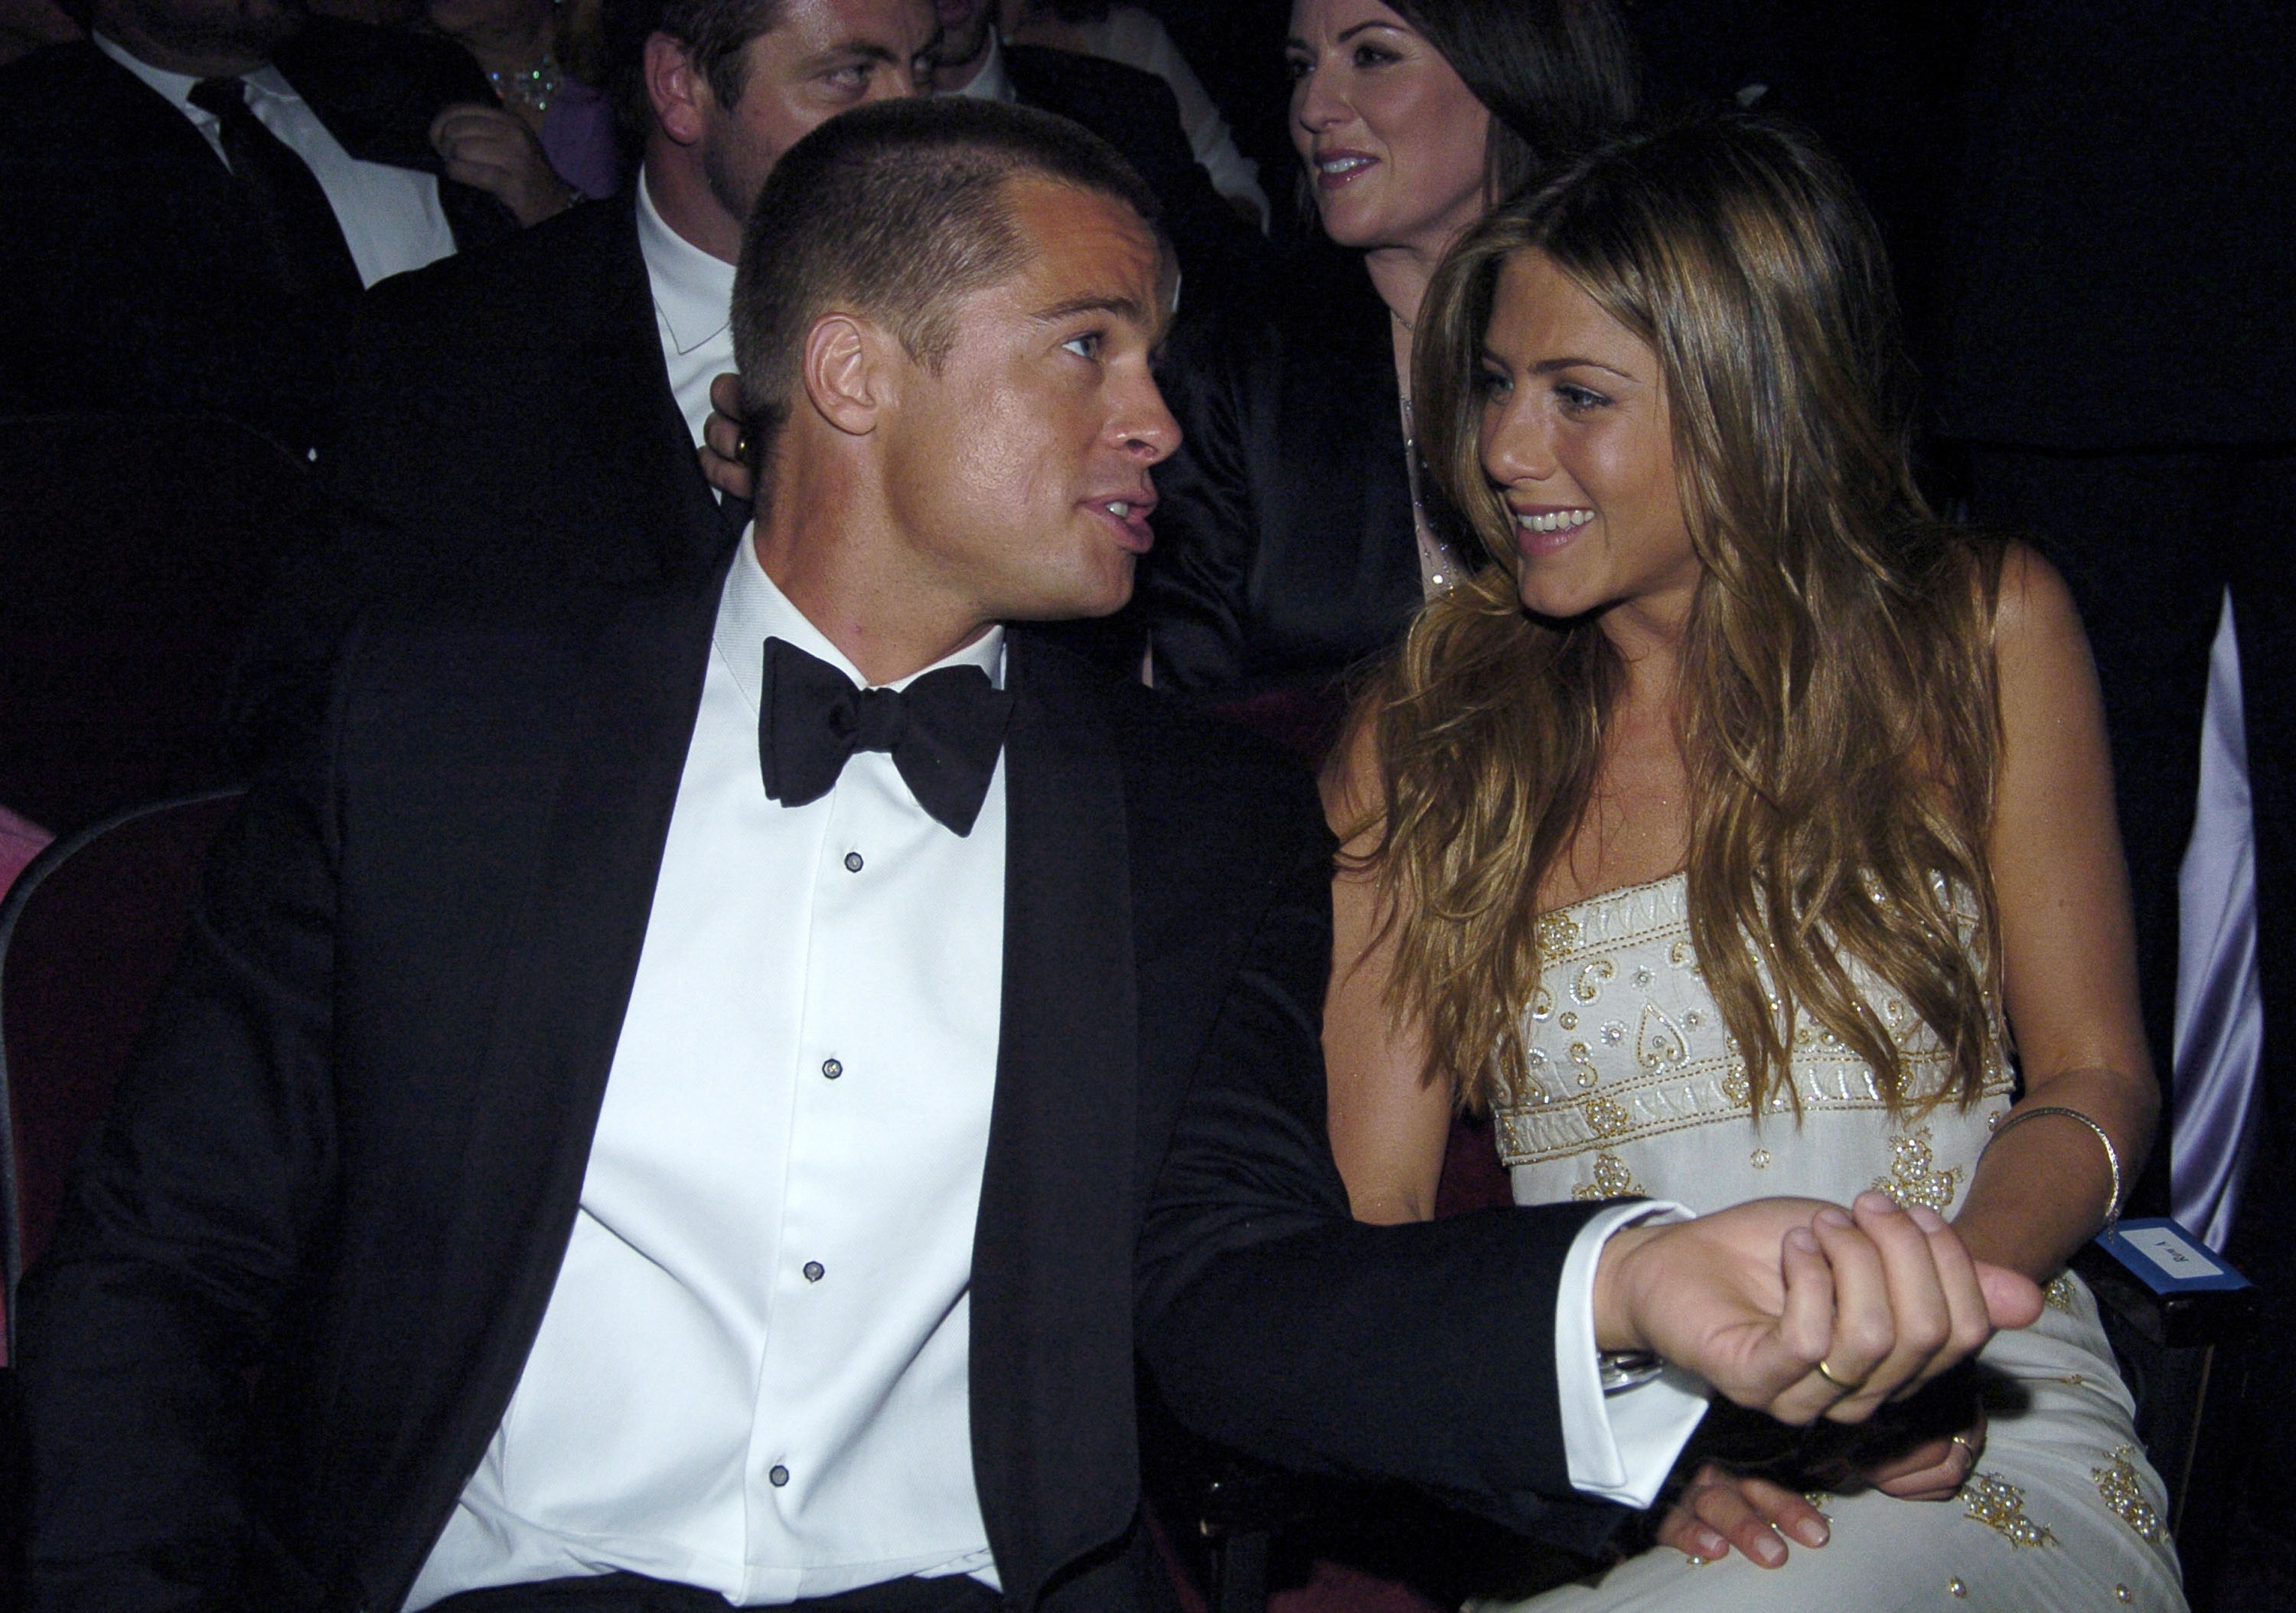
506,420
331,1203
1284,548
1224,261
132,275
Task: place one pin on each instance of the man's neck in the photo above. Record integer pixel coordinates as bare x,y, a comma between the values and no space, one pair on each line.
682,195
954,77
819,545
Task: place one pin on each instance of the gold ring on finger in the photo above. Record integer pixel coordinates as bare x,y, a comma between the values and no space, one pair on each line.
1965,1442
1838,1381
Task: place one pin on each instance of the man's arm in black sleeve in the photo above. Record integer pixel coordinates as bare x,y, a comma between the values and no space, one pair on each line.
1276,1324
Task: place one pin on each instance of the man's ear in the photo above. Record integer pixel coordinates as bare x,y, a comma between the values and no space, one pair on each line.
679,94
849,372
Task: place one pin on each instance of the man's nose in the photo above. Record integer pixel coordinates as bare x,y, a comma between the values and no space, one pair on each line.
1145,427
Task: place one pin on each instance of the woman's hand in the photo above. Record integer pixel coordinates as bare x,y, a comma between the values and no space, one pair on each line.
492,150
1719,1509
723,463
1933,1470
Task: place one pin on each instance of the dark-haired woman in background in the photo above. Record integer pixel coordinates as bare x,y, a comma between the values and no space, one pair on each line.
1706,836
1286,545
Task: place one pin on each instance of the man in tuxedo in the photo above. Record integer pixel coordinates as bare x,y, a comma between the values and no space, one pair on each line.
532,412
646,1122
197,193
1223,260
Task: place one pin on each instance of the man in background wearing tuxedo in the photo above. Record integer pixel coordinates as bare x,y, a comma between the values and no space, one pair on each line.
196,195
696,1094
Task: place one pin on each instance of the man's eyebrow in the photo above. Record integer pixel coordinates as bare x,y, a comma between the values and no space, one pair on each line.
1123,307
853,50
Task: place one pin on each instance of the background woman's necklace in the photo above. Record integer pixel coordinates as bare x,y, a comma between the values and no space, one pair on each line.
527,89
1439,570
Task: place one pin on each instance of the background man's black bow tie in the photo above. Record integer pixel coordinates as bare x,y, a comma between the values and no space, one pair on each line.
943,732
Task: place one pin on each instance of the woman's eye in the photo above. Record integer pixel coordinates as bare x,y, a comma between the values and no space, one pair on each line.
1296,68
1493,384
1086,346
1371,55
1576,398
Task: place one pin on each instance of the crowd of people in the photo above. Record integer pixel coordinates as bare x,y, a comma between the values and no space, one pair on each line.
933,733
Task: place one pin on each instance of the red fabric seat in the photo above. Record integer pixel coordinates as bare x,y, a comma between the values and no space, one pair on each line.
88,934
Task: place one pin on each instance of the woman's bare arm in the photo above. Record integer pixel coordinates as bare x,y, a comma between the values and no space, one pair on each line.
2069,948
1389,1124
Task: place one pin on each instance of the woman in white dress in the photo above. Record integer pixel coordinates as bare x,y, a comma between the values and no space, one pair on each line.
1708,839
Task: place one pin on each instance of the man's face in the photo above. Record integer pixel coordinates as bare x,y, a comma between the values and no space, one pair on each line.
1017,477
822,58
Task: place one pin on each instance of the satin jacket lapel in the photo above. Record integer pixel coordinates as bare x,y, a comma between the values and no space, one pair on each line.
1054,1436
629,713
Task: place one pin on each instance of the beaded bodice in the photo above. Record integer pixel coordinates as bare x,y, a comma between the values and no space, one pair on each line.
1632,1084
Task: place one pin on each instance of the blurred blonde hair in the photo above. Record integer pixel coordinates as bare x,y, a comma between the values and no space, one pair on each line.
1839,719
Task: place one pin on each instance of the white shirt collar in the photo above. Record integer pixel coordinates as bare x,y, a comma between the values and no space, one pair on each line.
753,610
693,291
992,82
176,89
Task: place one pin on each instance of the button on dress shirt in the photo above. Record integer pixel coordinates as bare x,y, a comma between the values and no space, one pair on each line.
692,310
752,1376
391,216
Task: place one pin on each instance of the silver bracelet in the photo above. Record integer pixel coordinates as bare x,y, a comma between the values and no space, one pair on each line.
2112,1153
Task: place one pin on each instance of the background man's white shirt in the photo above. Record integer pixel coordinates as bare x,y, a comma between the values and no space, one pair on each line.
391,216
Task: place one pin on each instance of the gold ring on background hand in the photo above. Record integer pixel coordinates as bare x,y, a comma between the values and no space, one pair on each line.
742,447
1839,1382
1966,1443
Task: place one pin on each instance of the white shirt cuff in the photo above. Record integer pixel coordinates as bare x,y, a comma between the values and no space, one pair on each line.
1620,1447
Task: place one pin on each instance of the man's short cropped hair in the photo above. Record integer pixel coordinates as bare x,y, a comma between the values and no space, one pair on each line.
716,34
896,211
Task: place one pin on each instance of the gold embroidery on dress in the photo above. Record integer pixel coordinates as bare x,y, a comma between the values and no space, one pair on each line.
1612,1179
1657,1042
1606,1118
1588,986
1557,931
2059,1293
1912,1181
2000,1506
2124,1496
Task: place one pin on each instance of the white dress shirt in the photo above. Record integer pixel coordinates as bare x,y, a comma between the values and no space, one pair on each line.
751,1374
391,216
692,310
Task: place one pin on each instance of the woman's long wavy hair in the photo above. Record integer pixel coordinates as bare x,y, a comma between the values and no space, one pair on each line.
1838,713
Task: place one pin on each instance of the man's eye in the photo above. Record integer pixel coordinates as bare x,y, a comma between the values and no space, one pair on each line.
853,78
1086,346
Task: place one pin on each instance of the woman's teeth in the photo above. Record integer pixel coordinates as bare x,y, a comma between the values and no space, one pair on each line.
1561,521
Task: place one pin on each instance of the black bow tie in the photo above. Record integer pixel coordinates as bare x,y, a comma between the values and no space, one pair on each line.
943,732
